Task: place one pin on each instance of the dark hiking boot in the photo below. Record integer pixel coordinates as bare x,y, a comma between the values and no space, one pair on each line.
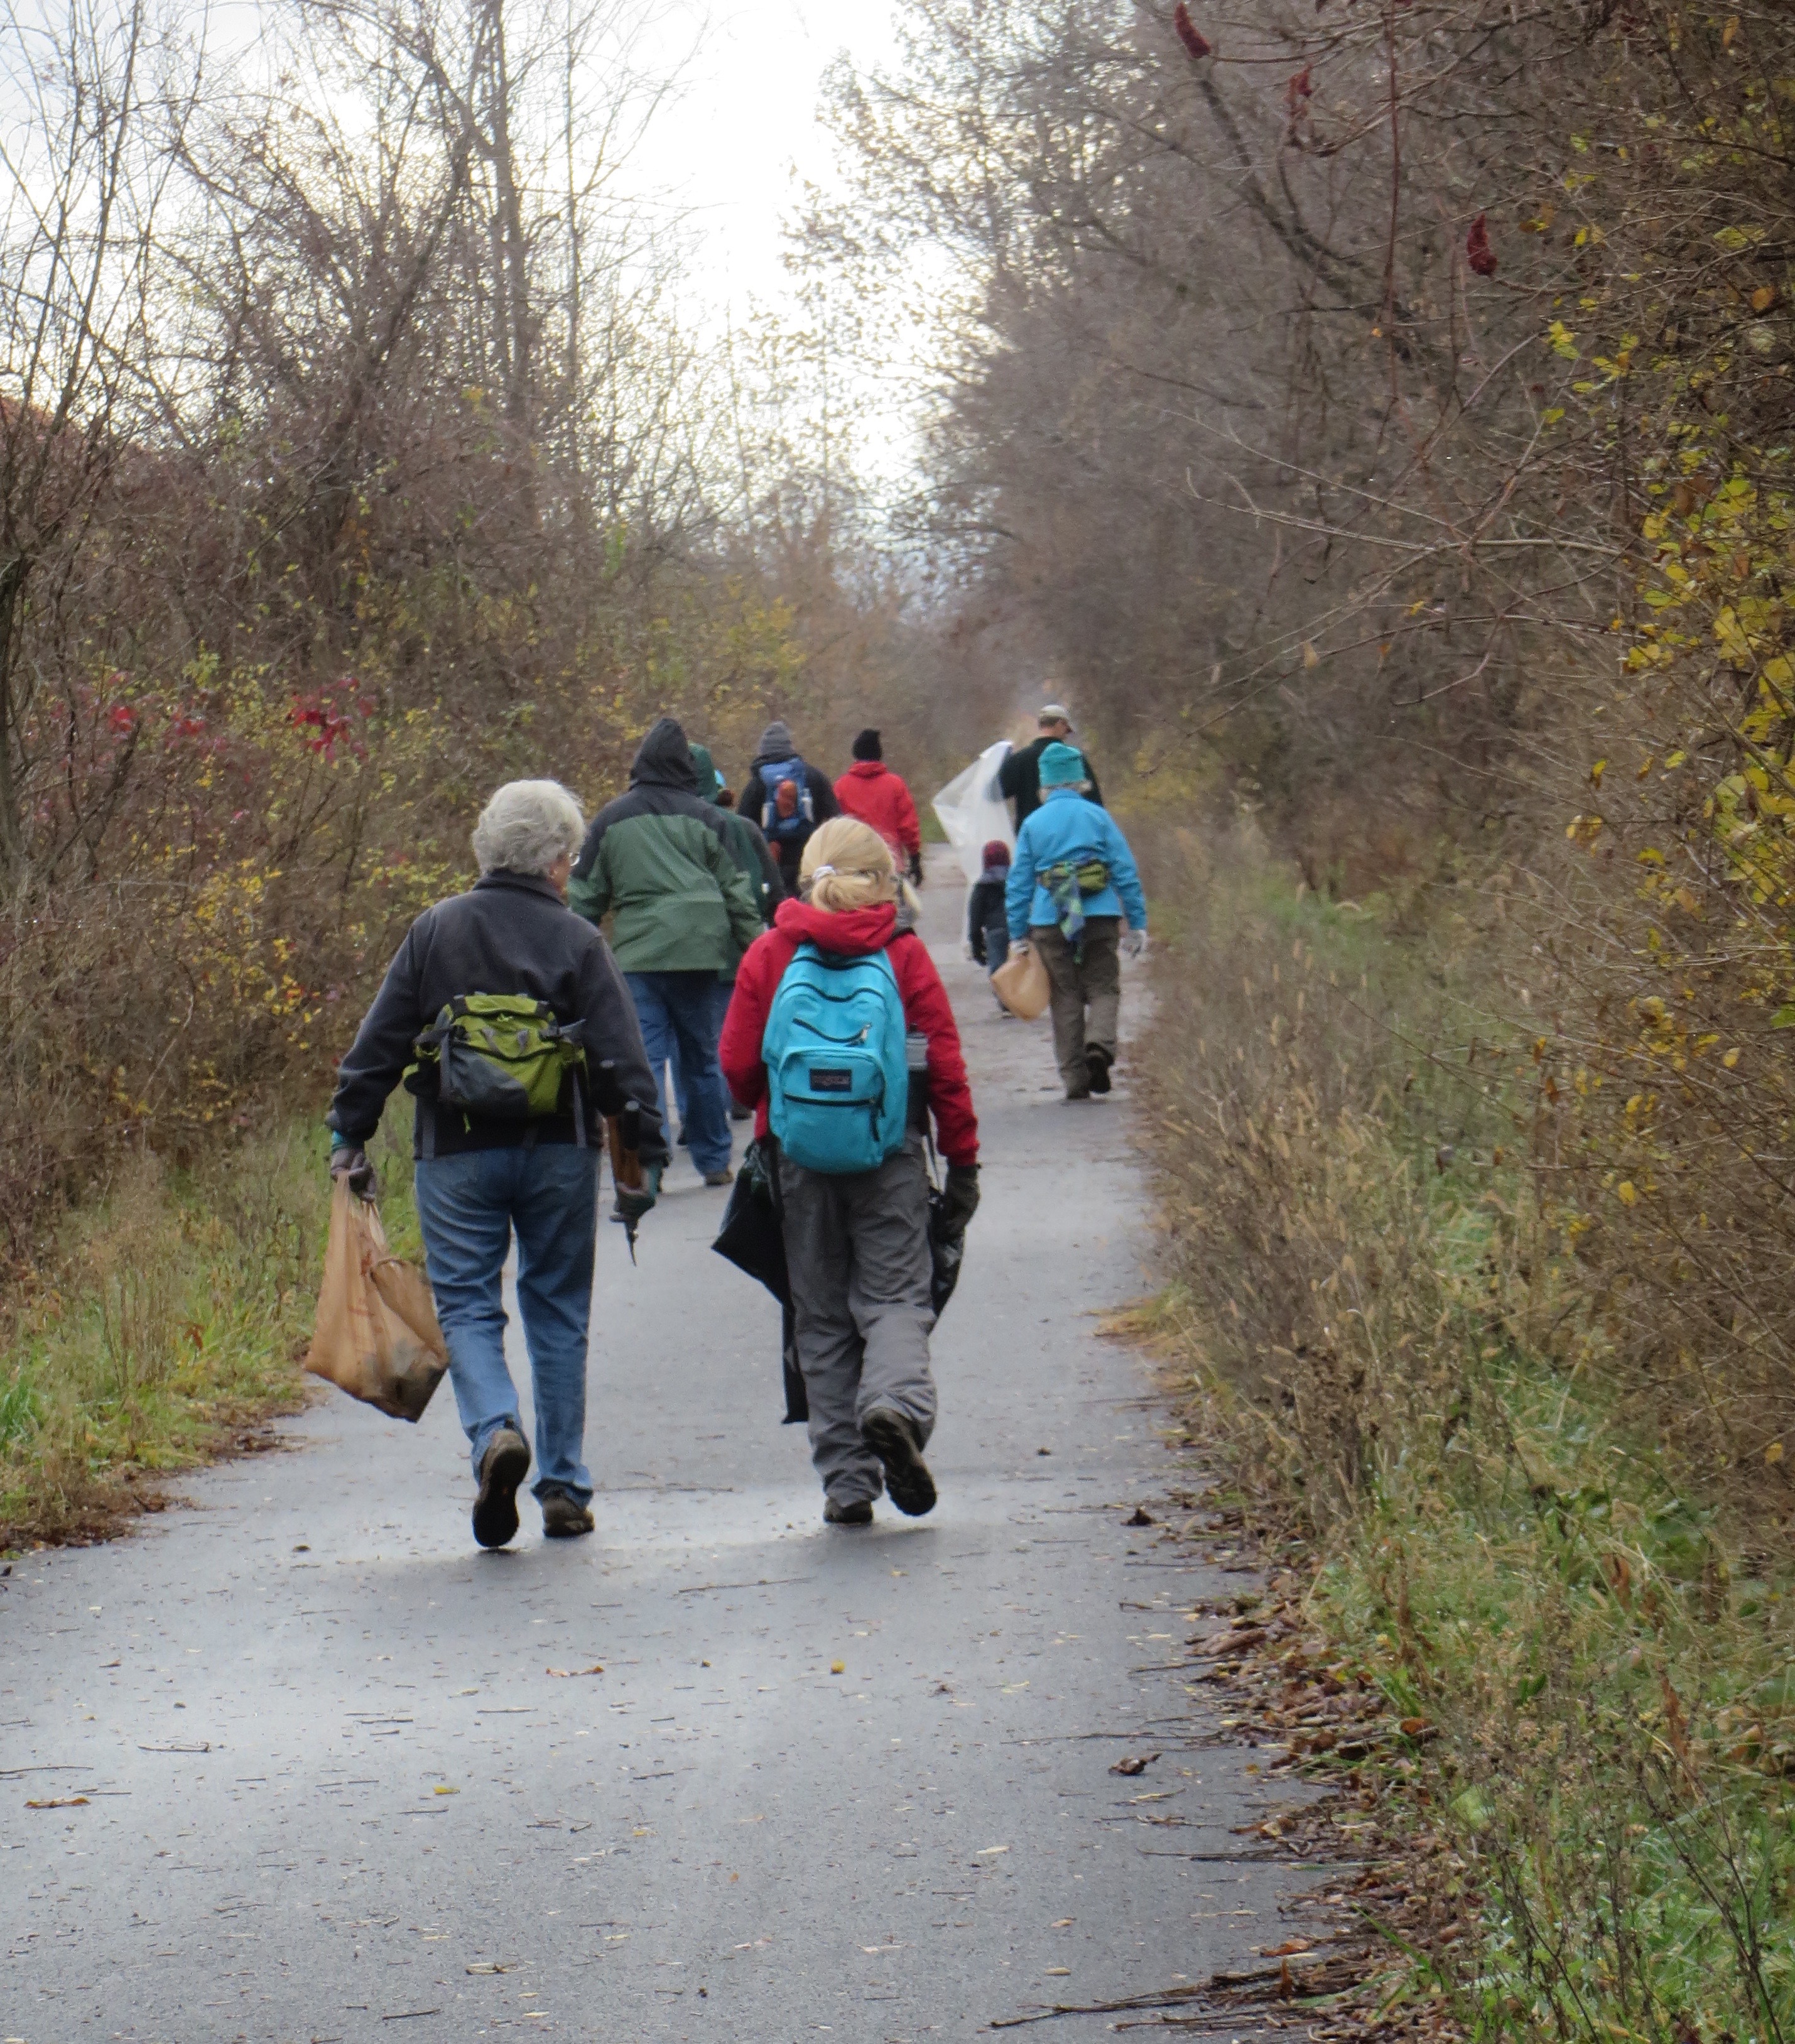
1098,1062
563,1519
724,1177
893,1438
859,1513
503,1467
1078,1093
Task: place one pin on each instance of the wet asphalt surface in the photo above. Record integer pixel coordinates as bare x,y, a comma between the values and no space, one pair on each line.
348,1778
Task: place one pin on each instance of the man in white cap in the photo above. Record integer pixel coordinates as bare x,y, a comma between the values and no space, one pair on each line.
1019,778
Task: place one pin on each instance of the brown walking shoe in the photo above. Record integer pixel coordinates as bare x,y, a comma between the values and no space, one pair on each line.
503,1467
563,1519
895,1440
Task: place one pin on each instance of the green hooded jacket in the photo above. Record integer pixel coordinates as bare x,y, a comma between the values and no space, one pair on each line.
657,861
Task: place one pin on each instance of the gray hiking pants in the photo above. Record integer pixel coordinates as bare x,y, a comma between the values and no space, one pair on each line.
1095,986
857,1252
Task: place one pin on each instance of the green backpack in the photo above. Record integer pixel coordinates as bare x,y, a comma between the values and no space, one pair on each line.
502,1055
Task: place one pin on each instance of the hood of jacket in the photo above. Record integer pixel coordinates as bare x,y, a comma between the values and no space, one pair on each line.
776,742
664,759
868,770
852,933
711,783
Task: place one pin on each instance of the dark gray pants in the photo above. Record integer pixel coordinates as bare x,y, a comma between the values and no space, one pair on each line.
857,1251
1087,998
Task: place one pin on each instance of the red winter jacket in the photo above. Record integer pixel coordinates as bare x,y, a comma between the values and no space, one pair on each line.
852,934
870,790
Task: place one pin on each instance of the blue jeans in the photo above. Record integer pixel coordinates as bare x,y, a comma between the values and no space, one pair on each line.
682,1086
468,1205
681,1019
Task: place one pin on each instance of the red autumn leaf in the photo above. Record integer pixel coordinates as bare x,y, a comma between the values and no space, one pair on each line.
1478,253
1299,89
1188,33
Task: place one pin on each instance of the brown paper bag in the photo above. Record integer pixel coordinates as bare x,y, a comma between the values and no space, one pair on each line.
376,1336
1022,984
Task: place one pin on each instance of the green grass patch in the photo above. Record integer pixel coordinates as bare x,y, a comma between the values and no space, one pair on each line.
175,1313
1407,1358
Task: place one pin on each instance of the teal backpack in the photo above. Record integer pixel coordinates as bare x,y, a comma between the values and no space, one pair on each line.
836,1071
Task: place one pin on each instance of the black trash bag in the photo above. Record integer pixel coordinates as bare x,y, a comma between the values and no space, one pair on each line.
752,1239
797,1398
946,1247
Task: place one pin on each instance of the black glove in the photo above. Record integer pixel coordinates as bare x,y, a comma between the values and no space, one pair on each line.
633,1202
960,1201
350,1161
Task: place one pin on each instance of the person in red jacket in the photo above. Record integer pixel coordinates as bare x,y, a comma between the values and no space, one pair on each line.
857,1246
870,790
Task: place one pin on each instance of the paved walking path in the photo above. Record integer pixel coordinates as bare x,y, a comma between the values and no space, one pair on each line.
826,1783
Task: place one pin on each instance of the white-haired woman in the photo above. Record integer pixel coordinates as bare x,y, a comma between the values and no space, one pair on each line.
857,1242
482,1175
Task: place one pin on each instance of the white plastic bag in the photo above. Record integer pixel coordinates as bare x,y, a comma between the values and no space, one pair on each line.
971,814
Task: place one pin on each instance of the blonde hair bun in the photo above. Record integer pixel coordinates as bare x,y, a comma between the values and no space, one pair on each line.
847,865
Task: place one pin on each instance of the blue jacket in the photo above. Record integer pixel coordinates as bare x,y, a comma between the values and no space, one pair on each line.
1066,827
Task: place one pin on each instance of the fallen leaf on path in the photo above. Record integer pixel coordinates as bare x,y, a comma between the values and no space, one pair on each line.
989,1850
445,1791
488,1966
1284,1951
57,1803
595,1669
1140,1517
1134,1763
1061,1923
1231,1641
838,1667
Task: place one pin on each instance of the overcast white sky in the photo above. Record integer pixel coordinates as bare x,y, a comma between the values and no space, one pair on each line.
725,145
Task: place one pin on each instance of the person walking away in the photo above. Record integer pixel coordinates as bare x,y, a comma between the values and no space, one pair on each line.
815,1043
1071,881
988,922
787,798
870,790
761,869
508,944
1019,778
657,861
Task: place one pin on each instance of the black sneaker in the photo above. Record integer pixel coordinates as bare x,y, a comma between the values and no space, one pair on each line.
859,1513
893,1439
503,1467
1098,1062
563,1519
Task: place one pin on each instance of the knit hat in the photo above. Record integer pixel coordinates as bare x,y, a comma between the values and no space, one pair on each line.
775,741
1061,766
996,853
866,746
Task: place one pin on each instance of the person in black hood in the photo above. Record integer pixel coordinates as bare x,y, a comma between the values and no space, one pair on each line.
787,798
657,861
